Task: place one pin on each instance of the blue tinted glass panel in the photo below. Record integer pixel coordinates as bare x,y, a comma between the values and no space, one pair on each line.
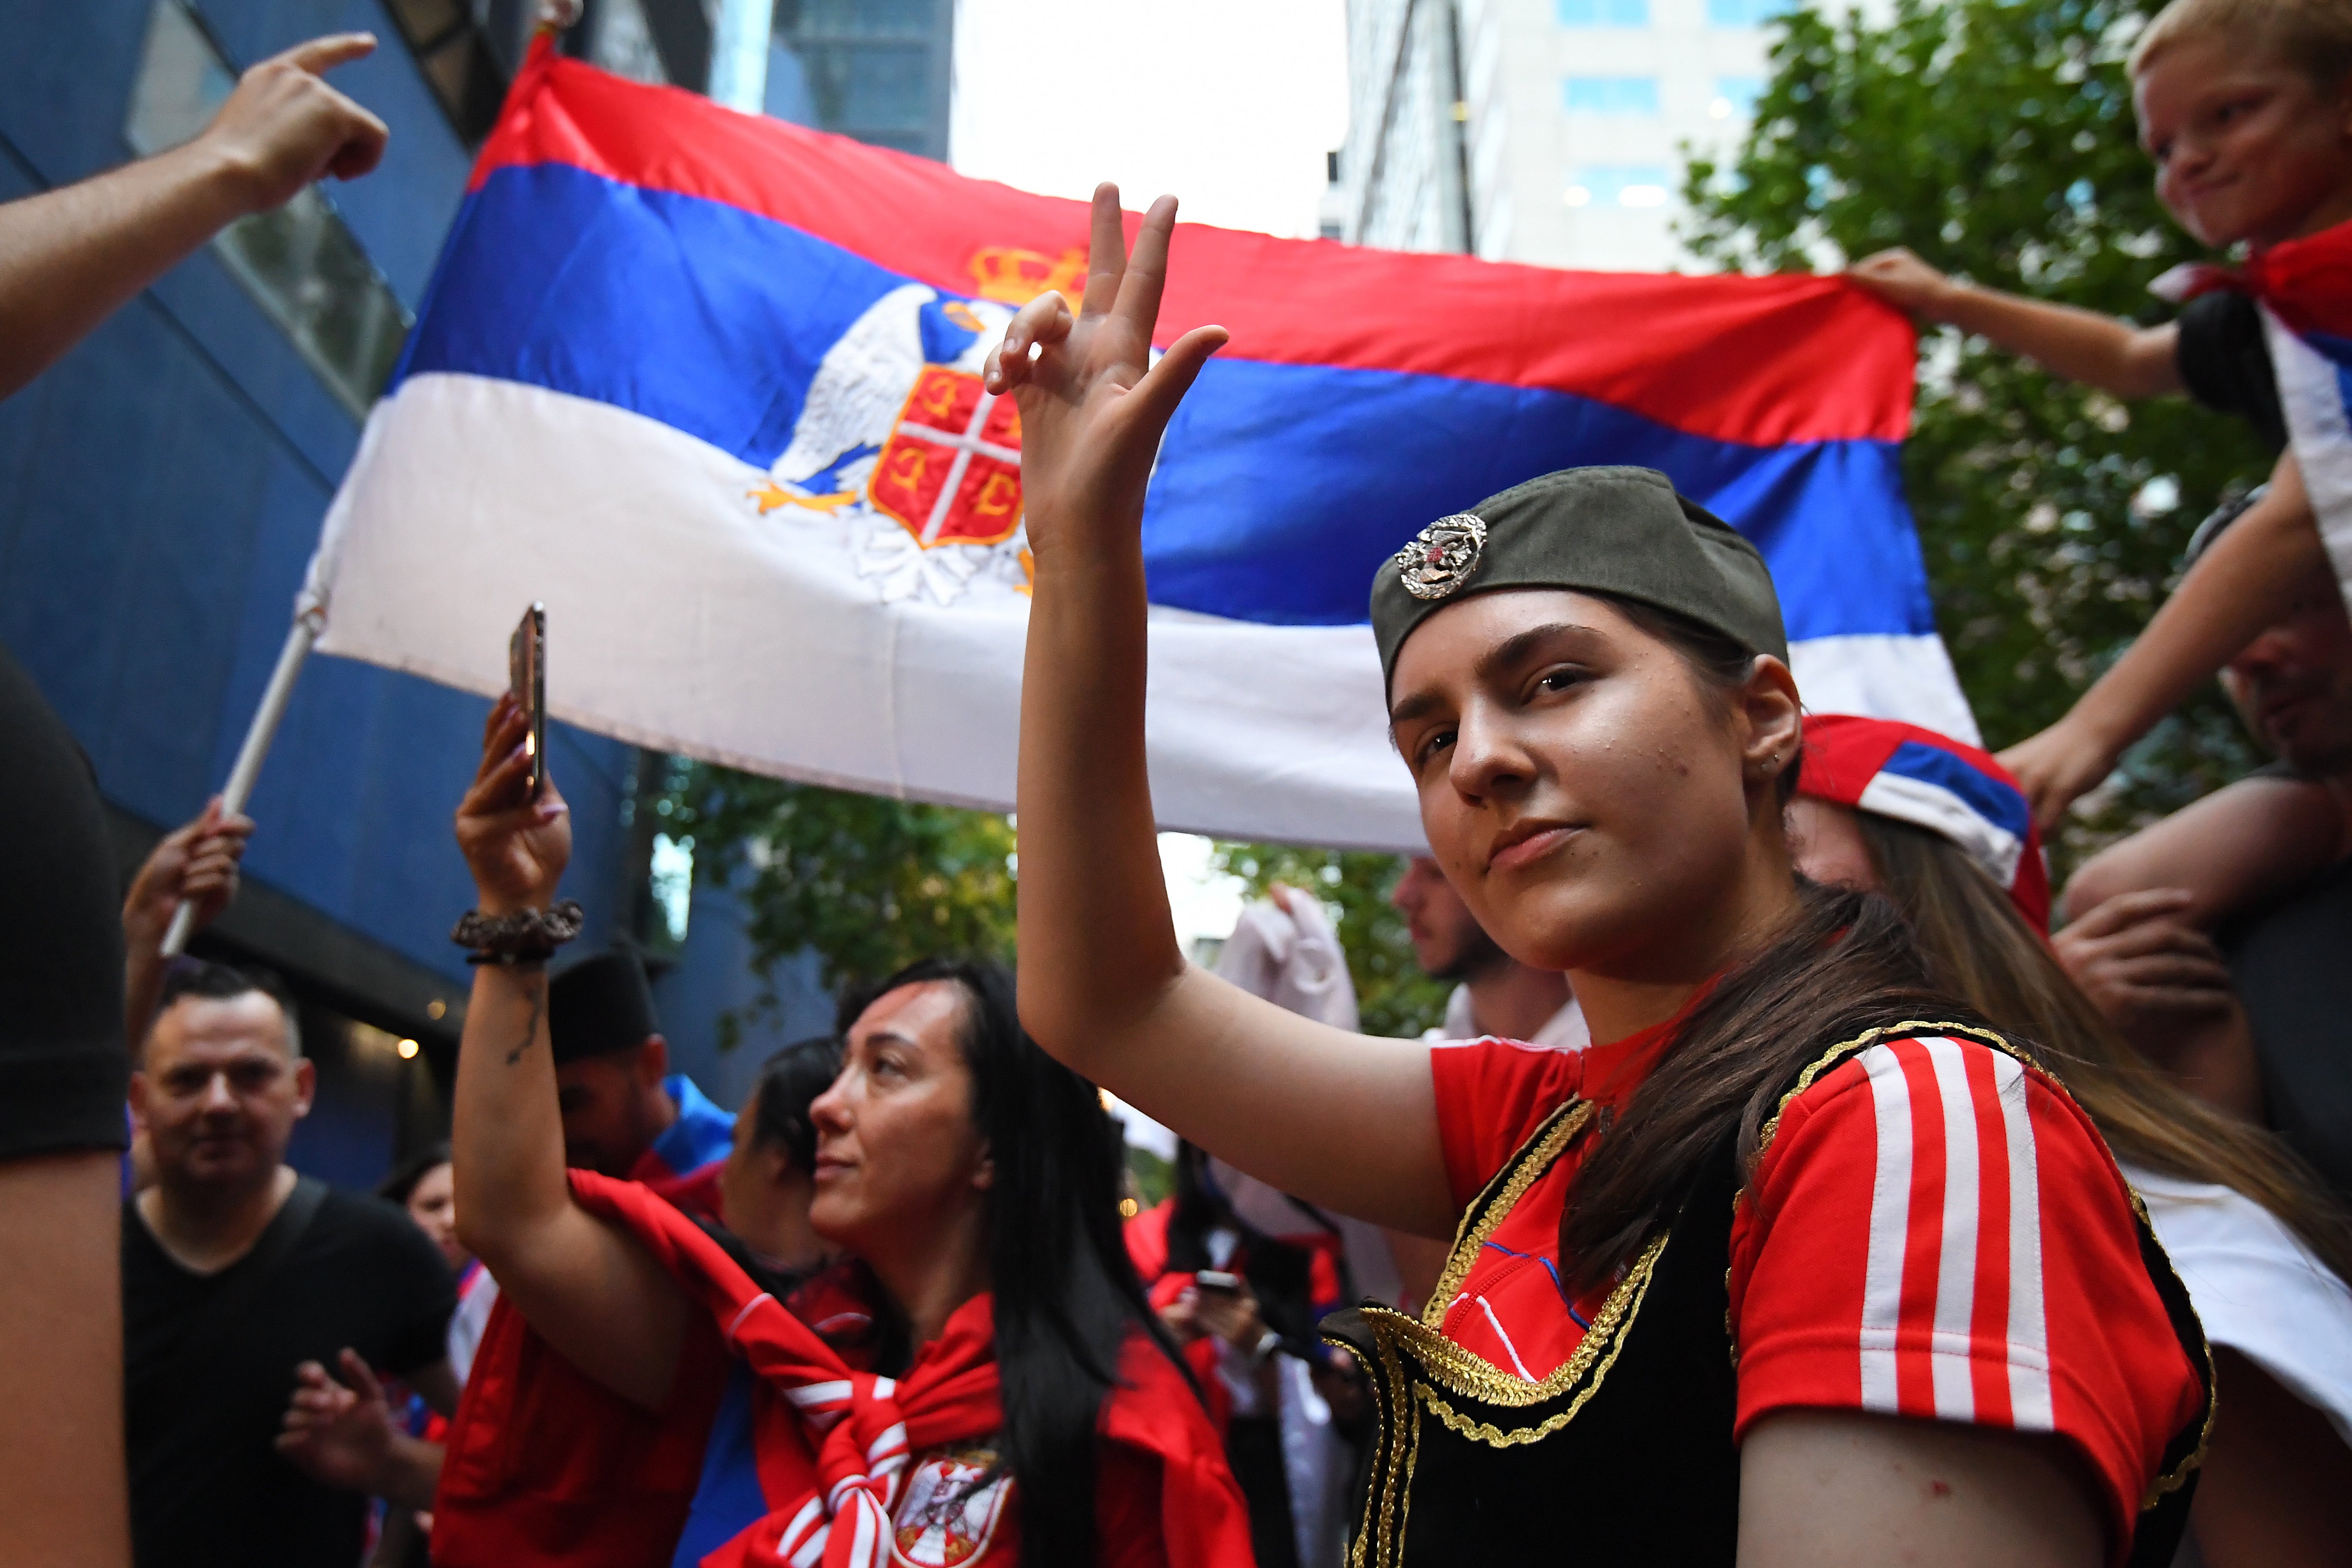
1743,13
301,262
1613,95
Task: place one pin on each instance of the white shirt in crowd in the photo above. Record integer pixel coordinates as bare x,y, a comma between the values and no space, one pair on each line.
2257,1288
1565,1030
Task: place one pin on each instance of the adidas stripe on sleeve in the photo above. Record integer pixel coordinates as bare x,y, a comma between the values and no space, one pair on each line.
1936,1232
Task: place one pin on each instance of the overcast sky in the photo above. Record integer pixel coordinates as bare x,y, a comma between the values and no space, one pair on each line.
1230,105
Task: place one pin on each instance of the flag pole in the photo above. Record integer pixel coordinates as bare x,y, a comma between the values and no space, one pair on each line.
257,736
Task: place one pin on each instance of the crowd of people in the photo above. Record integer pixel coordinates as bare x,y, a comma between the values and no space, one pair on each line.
1780,1187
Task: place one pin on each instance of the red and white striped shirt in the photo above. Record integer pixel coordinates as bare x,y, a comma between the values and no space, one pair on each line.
1934,1231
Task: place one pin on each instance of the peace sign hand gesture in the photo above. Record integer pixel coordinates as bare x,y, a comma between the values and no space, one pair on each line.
1093,405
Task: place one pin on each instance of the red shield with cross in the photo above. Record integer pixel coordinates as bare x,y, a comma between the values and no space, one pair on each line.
950,471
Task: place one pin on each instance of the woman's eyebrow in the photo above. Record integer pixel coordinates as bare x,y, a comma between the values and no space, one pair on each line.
1519,645
1502,655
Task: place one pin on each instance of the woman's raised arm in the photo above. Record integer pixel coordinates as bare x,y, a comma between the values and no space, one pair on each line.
1345,1120
589,1290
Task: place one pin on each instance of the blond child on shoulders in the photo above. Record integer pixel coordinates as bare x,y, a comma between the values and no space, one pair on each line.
2246,108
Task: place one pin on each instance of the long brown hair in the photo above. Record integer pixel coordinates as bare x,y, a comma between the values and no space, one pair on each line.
1979,948
1843,963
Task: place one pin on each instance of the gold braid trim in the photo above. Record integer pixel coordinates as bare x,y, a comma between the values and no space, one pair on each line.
1503,1191
1595,1353
1391,1488
1472,1376
2174,1480
1486,1432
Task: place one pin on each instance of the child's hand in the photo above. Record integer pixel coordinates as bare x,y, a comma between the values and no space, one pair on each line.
1905,282
1093,403
2058,767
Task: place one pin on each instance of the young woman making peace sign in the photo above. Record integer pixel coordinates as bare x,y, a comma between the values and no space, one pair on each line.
1775,1272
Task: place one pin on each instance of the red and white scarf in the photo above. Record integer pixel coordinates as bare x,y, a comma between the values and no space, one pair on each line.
833,1445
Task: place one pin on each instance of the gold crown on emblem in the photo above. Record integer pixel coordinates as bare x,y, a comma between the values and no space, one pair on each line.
1015,277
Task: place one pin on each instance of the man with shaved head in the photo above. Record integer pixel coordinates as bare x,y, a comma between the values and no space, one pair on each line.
235,1271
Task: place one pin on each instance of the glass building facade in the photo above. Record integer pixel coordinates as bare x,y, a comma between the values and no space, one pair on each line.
878,70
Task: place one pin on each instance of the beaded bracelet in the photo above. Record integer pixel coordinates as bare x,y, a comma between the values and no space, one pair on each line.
524,937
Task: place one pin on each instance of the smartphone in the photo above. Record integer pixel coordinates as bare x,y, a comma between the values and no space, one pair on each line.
527,679
1219,1281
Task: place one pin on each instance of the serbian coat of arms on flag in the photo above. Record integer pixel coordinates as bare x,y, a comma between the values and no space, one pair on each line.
899,437
708,386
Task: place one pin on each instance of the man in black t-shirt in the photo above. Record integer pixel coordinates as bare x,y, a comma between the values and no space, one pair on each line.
235,1272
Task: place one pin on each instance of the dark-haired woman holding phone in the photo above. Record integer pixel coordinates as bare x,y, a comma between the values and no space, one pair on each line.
1798,1263
1020,1403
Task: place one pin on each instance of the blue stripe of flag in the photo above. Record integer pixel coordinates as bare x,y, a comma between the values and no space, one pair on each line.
1280,489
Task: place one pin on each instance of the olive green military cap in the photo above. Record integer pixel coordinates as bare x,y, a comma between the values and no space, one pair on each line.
1616,531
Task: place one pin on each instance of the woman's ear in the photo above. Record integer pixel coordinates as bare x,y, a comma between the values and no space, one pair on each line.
1774,720
983,1171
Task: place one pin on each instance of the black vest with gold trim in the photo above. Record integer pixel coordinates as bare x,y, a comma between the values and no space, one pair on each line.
1624,1452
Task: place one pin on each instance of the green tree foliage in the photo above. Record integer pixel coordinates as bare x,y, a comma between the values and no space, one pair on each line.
1392,995
1997,140
869,884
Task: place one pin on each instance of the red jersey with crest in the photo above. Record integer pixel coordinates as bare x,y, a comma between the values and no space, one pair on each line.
1935,1230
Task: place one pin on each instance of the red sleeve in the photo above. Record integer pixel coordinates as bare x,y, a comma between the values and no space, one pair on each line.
1490,1095
545,1464
1936,1232
1128,1530
1164,1497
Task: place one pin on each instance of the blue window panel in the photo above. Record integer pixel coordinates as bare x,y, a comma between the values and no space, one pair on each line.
1621,185
1744,13
1736,96
1604,13
1612,94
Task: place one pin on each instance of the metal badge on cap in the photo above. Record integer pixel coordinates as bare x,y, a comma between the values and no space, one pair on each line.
1442,556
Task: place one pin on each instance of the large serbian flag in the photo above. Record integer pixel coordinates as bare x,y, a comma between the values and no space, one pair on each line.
708,384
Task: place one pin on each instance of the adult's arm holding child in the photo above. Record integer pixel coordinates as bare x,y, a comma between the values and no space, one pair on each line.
2248,579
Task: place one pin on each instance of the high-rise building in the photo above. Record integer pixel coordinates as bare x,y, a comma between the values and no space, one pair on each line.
876,70
1543,130
162,488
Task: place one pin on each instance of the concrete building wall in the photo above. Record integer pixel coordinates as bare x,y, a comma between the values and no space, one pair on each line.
1572,118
